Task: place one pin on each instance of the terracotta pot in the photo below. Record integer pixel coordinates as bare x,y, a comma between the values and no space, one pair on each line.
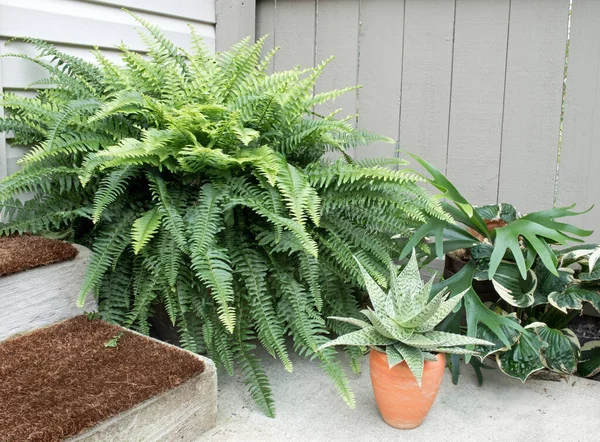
401,402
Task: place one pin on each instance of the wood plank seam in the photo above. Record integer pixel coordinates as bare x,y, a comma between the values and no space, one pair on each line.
503,104
450,100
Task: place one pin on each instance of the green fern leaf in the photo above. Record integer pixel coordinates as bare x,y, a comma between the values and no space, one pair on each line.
144,228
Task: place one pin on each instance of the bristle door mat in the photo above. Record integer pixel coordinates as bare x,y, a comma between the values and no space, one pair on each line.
19,253
61,380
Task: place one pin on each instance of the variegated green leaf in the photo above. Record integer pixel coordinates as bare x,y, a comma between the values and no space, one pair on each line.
511,287
573,297
594,258
393,356
562,353
589,273
549,283
364,337
579,253
589,362
414,360
523,358
483,332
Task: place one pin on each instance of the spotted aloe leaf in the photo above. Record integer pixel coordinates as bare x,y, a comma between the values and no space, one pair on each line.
436,339
428,311
414,359
402,321
363,337
376,294
393,356
409,286
443,311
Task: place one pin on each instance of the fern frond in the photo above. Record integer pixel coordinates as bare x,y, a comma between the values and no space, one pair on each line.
110,188
212,267
253,269
144,228
172,219
110,242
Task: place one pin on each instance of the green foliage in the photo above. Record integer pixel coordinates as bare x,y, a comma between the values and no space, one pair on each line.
200,183
589,363
403,320
540,288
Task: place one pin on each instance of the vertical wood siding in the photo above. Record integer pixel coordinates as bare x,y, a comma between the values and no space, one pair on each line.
579,173
473,86
77,26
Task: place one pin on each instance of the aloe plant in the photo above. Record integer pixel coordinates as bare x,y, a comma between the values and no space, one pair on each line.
541,288
402,322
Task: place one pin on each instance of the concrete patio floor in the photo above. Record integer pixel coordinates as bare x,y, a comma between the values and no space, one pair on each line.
309,409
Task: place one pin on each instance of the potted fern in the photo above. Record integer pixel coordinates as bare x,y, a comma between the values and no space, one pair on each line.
407,354
201,185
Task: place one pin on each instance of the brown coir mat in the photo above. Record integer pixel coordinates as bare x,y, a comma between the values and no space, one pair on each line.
18,253
57,381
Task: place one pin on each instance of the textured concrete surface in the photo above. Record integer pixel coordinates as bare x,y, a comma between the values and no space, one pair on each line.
42,296
309,409
181,414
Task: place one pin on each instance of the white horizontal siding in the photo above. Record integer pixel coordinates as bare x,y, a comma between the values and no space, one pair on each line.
76,26
198,10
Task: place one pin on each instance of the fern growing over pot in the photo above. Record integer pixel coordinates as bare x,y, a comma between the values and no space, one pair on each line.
200,183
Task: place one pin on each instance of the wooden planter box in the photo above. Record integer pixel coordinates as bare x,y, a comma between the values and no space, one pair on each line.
179,405
42,296
180,414
64,383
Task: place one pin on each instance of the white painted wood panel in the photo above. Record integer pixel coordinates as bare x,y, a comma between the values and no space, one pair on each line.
295,34
380,72
479,63
579,177
533,96
197,10
265,26
3,147
426,79
337,34
87,24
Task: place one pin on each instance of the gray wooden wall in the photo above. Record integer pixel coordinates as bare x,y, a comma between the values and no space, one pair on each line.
474,86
